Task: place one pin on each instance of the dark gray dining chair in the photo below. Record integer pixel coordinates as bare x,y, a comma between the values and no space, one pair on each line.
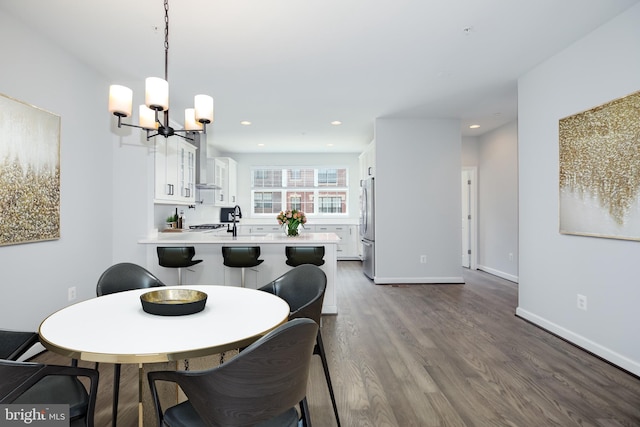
259,387
36,383
121,277
14,344
303,288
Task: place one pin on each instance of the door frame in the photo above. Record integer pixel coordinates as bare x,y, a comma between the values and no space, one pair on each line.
472,173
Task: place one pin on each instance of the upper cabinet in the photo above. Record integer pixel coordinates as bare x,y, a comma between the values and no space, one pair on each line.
223,192
368,161
232,189
175,163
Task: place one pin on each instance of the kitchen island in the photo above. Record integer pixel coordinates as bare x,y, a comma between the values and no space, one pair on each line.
212,271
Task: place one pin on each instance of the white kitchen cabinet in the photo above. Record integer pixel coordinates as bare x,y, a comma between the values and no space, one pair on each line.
243,230
347,248
353,247
175,162
367,161
225,178
232,182
266,229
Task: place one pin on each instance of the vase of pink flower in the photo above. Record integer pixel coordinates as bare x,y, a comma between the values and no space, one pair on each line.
290,220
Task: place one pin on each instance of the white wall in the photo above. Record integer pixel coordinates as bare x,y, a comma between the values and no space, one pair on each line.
418,201
106,187
470,153
495,157
498,202
554,268
34,277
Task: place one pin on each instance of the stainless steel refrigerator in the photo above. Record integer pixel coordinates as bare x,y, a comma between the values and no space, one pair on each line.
367,227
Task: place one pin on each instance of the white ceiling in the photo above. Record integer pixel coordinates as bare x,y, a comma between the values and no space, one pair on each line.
293,66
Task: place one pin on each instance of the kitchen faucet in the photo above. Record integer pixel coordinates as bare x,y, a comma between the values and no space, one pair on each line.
237,213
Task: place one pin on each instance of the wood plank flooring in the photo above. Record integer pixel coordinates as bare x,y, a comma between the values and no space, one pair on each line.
440,355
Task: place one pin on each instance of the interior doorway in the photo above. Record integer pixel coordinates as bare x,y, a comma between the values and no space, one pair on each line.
469,220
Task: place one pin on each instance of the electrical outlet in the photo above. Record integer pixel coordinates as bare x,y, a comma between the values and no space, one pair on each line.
582,302
423,259
510,256
72,293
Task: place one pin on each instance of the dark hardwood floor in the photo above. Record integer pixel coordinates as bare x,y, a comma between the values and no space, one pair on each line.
440,355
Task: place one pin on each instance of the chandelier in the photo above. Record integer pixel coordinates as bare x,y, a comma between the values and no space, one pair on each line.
157,100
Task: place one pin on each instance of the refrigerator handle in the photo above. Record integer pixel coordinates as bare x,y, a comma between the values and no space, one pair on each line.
365,214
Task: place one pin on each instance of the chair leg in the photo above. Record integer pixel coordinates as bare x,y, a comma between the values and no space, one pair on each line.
242,278
319,349
116,392
304,413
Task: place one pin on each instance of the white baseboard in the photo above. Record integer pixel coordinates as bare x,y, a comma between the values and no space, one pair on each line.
498,273
582,342
416,280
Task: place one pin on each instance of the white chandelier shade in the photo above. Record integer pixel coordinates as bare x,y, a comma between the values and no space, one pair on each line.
204,108
120,98
147,118
156,93
190,122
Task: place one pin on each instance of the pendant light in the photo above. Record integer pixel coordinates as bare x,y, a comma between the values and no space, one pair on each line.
157,101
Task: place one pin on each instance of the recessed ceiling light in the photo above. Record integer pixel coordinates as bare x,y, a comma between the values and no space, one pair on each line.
336,122
245,123
474,126
261,144
329,145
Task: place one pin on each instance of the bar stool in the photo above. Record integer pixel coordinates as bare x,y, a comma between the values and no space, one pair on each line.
297,255
241,257
178,257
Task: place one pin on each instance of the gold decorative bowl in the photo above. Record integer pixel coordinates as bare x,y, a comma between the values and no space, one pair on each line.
173,302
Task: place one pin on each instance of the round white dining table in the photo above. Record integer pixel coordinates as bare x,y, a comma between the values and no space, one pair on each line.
115,329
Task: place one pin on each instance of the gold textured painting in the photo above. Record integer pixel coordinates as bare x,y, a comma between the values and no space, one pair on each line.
29,173
600,170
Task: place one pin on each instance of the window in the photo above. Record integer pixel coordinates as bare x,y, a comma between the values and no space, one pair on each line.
331,202
265,201
315,191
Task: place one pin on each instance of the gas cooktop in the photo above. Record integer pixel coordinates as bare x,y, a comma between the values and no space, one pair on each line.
206,226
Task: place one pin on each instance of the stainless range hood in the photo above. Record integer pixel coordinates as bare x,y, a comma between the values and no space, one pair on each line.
205,179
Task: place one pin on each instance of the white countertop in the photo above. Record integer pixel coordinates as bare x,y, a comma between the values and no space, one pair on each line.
198,237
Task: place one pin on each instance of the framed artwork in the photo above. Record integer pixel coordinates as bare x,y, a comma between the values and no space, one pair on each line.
600,170
29,173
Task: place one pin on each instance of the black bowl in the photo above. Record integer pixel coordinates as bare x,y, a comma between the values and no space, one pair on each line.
173,302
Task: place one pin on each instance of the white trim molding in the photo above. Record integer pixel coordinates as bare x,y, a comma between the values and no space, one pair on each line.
417,280
498,273
582,342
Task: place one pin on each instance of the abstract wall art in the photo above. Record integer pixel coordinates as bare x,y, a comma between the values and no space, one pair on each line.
29,173
600,170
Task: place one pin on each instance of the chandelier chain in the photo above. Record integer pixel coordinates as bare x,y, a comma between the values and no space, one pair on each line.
166,40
